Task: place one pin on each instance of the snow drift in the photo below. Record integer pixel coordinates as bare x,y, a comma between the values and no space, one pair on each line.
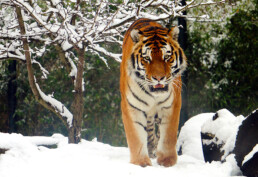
26,156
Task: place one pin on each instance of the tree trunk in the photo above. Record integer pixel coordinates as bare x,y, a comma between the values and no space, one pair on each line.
77,105
183,43
11,94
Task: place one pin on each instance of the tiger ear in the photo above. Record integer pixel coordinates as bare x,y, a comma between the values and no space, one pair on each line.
174,32
135,35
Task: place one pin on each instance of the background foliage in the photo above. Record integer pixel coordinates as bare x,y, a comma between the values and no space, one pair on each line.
223,63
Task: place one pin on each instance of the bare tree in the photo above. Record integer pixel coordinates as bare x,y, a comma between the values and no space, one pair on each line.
73,28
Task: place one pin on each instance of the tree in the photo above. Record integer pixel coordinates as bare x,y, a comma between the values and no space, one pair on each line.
29,28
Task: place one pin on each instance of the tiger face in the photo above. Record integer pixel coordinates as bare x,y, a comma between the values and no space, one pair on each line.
157,58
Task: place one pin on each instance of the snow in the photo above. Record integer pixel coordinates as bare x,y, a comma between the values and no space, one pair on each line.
250,154
25,156
64,112
190,136
225,129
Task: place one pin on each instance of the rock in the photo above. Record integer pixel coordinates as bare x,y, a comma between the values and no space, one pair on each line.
211,149
246,146
218,135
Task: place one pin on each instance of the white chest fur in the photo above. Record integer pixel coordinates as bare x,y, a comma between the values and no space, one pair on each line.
147,102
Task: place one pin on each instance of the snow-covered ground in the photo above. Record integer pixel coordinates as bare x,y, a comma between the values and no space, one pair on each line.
26,158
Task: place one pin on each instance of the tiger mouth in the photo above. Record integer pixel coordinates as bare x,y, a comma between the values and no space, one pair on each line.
158,87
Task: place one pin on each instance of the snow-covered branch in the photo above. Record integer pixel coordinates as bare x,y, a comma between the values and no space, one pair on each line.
58,106
56,22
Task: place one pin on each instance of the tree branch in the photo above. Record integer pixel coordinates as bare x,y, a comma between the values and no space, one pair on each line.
39,95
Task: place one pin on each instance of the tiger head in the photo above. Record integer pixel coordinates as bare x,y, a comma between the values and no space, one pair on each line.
157,58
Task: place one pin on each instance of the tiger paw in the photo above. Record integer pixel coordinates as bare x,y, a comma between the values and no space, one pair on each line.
167,161
143,162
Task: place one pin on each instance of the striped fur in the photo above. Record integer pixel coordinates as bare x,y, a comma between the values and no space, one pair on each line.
150,86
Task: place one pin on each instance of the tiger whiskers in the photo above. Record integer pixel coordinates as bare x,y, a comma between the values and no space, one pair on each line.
142,85
177,83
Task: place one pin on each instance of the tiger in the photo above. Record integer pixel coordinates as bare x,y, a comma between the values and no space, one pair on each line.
150,88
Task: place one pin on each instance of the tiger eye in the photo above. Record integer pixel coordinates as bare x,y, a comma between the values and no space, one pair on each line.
166,57
147,58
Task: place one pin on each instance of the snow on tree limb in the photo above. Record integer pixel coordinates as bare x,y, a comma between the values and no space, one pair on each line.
57,105
96,48
94,23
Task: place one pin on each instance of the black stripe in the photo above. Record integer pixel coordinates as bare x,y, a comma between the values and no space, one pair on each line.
176,71
150,136
174,67
154,38
150,140
149,130
144,113
172,48
153,28
138,66
167,107
137,60
140,85
139,75
133,60
135,96
176,55
142,22
145,52
163,43
139,123
161,102
163,34
176,61
146,45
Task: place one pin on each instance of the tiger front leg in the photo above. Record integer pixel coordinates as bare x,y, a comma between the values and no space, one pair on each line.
166,153
166,150
136,135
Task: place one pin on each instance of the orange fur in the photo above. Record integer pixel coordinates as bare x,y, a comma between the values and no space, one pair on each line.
156,69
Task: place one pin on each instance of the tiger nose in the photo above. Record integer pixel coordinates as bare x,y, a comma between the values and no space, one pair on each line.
158,78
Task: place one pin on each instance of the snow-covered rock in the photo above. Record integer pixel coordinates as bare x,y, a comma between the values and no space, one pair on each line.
219,135
190,136
246,147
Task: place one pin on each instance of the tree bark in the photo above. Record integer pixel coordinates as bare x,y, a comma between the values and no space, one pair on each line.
77,105
183,43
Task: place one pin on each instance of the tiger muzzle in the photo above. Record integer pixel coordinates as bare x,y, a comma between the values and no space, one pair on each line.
158,88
